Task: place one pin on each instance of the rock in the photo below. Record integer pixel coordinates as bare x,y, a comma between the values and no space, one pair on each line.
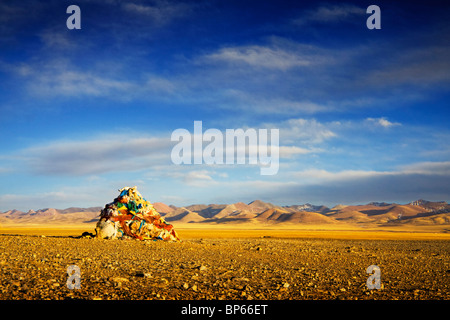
119,279
139,274
15,283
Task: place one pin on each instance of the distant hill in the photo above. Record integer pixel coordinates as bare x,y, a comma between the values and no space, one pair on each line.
300,217
419,212
162,208
184,215
50,216
416,212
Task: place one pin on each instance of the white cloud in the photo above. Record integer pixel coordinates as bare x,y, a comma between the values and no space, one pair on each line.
309,130
289,151
5,170
383,122
330,14
304,131
109,153
321,176
439,168
160,84
159,14
74,83
198,178
256,103
57,38
428,180
61,199
61,78
260,56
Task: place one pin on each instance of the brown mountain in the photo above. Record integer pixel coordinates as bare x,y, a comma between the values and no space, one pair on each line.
184,215
163,208
271,214
304,217
258,206
50,216
206,211
420,212
385,213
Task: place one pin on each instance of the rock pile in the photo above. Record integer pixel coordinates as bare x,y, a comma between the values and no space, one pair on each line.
130,216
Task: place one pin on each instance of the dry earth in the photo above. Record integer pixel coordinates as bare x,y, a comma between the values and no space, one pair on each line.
257,267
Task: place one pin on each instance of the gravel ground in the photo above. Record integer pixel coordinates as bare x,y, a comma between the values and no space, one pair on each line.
35,267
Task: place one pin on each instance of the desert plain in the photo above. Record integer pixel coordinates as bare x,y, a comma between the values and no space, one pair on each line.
228,262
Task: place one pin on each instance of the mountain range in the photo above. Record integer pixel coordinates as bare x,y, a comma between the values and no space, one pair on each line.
420,212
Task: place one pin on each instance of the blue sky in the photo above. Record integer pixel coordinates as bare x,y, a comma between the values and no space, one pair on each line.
363,114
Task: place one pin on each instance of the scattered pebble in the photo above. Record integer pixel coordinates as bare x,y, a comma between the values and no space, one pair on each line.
35,267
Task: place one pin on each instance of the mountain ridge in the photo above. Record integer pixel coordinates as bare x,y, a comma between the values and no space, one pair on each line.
259,212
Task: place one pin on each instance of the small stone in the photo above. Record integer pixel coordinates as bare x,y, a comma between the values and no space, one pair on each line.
119,279
203,268
285,285
194,287
185,286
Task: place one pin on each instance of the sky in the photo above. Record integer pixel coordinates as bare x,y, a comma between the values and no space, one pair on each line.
363,114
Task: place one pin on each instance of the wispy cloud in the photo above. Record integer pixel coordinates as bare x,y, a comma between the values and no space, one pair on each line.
112,153
276,54
414,66
62,78
160,13
259,56
404,184
289,151
382,122
428,167
68,196
258,104
74,83
198,178
56,38
330,14
309,131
